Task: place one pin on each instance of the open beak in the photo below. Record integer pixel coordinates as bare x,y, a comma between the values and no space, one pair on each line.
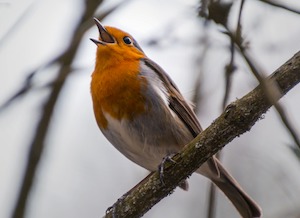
104,36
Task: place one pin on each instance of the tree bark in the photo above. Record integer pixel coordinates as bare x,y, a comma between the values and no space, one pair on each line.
237,119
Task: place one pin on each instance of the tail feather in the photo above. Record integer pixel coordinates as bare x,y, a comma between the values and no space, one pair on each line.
245,205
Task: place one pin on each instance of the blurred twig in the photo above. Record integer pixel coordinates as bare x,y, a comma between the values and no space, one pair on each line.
203,9
270,91
212,203
198,98
65,60
237,39
198,94
20,19
37,145
229,70
295,150
28,83
230,67
219,12
278,5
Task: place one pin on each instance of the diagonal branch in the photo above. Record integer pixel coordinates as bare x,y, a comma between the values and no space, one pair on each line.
270,91
238,118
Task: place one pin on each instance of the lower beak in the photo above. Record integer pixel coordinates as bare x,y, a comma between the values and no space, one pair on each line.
104,36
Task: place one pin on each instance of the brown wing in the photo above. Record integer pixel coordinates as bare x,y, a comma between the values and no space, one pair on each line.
179,105
176,102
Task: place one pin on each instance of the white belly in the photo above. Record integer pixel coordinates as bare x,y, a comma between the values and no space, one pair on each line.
146,141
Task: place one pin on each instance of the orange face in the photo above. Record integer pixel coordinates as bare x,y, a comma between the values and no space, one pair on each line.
116,83
115,44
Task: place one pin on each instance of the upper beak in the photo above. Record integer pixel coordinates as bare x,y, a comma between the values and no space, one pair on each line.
104,36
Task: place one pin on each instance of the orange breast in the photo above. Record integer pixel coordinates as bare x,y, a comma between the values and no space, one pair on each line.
116,90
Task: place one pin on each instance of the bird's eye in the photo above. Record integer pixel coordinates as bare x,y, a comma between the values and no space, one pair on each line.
127,40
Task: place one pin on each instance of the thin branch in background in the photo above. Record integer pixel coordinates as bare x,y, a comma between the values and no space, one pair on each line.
203,12
24,89
238,39
212,200
219,12
203,9
28,83
198,94
19,21
230,67
296,151
270,90
229,70
278,5
239,22
38,142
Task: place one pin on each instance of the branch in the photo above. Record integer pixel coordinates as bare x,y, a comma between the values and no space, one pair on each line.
270,90
238,118
278,5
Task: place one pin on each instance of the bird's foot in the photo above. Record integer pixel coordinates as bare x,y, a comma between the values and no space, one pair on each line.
162,166
113,208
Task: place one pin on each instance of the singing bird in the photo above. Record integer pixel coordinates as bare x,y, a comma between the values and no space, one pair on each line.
140,110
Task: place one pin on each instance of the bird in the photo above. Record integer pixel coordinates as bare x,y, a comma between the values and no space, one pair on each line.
143,114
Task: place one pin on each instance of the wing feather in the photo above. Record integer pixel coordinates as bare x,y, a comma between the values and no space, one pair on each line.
177,103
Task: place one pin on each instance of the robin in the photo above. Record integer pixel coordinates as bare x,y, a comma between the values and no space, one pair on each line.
140,110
